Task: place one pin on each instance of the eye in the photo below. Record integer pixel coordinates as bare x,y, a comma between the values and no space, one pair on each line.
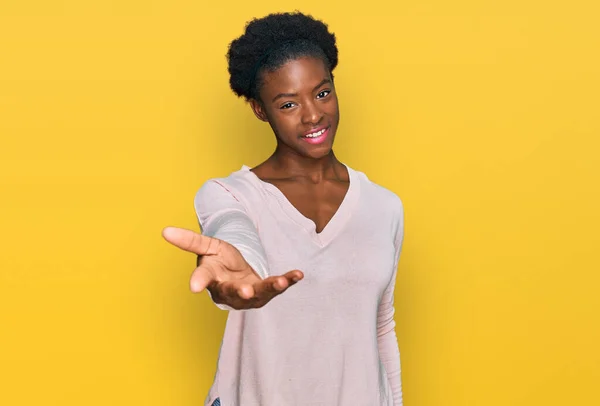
287,105
323,93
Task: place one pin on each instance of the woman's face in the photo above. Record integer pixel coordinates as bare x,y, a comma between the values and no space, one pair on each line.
299,102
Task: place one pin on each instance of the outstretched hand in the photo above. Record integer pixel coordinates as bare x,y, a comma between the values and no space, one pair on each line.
222,270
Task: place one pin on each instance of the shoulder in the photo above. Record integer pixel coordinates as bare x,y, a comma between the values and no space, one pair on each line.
238,183
387,204
379,196
239,187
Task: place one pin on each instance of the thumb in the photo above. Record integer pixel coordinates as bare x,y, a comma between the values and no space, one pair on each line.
191,241
201,278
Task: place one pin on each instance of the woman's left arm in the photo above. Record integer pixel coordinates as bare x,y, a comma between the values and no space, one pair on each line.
389,351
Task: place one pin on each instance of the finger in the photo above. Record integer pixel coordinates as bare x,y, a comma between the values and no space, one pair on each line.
234,290
202,277
275,285
271,286
294,276
191,241
239,296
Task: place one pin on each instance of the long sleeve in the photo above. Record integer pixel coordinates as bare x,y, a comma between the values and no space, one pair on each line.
221,215
386,333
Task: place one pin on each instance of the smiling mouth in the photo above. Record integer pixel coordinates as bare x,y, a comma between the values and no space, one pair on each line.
317,137
317,133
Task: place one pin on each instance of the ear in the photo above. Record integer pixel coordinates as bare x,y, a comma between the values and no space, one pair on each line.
258,109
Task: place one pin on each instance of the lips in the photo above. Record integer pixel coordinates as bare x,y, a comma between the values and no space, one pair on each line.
317,135
315,131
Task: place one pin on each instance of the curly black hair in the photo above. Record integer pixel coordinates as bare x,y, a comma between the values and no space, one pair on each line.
269,42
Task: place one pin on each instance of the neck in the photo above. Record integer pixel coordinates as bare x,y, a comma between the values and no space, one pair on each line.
294,165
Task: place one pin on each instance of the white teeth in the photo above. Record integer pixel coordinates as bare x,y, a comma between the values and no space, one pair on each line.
317,134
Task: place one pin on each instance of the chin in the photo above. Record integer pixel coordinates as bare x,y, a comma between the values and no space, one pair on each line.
319,150
318,153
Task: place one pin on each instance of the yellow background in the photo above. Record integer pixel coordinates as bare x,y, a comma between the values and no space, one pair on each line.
482,115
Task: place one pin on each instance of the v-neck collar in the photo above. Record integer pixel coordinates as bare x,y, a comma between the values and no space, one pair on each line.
335,224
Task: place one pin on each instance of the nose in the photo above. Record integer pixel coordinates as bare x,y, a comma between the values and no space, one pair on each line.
311,114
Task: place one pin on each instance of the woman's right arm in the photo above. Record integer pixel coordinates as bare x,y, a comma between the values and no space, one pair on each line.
232,263
221,215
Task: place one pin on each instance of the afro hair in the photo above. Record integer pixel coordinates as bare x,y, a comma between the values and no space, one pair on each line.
269,42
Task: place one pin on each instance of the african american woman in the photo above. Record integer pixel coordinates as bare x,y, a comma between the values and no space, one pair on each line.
301,250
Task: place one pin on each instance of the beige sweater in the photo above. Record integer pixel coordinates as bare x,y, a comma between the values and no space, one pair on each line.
329,340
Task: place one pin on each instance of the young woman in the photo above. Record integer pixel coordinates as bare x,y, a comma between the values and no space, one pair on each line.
300,218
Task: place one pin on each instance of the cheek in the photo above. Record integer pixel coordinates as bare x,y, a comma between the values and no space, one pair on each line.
333,103
333,108
283,123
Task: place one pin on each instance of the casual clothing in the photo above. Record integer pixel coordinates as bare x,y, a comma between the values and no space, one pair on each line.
330,339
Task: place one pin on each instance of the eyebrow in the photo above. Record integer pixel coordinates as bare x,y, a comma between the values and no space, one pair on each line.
280,95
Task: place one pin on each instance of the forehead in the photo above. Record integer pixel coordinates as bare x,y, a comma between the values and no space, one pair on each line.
295,76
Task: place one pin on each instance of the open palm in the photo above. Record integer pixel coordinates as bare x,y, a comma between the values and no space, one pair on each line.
223,271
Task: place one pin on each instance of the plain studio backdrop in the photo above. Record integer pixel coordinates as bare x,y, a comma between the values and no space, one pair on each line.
482,115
